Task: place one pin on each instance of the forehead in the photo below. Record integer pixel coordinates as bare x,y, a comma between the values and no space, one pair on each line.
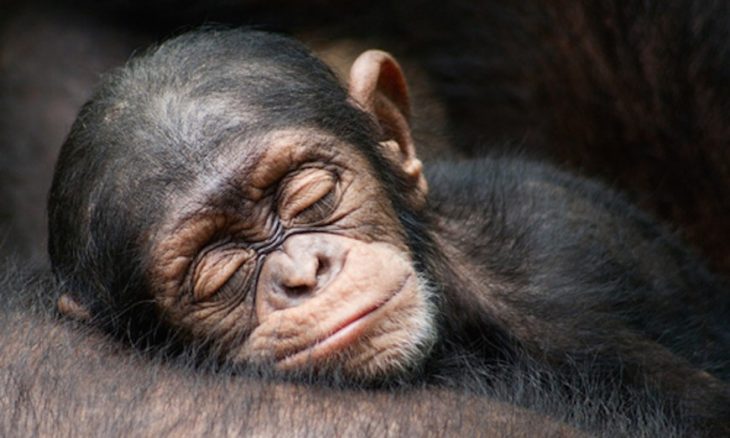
243,170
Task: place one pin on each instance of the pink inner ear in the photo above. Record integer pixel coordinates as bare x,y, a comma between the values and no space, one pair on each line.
71,308
392,85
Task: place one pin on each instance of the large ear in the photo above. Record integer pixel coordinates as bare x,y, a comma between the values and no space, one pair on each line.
68,306
378,85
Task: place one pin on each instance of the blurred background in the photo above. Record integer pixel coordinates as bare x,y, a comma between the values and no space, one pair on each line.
633,93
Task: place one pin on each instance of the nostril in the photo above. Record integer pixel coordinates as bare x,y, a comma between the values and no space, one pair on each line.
323,266
297,291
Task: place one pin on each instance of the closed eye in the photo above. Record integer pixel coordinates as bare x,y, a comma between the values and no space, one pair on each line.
217,269
309,196
319,210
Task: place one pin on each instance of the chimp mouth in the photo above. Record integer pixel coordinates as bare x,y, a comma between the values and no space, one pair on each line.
342,334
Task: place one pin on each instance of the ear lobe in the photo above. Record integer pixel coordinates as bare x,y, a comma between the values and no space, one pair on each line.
378,85
68,306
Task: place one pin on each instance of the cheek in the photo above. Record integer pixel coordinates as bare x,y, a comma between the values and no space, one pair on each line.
401,340
220,326
369,211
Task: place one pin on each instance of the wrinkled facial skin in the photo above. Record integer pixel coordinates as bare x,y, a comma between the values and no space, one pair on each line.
304,268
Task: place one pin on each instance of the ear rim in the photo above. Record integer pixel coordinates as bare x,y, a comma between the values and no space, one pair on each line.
376,71
378,85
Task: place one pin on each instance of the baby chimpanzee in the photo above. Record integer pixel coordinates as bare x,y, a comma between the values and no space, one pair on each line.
225,190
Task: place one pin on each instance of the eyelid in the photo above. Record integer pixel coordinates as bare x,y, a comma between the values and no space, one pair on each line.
305,189
216,268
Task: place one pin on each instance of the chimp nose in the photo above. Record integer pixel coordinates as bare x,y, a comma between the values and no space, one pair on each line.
297,278
296,272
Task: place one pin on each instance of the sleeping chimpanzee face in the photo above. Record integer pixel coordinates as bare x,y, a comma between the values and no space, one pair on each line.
230,180
294,255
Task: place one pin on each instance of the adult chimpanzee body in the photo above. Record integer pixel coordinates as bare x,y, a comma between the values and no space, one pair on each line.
58,378
226,192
